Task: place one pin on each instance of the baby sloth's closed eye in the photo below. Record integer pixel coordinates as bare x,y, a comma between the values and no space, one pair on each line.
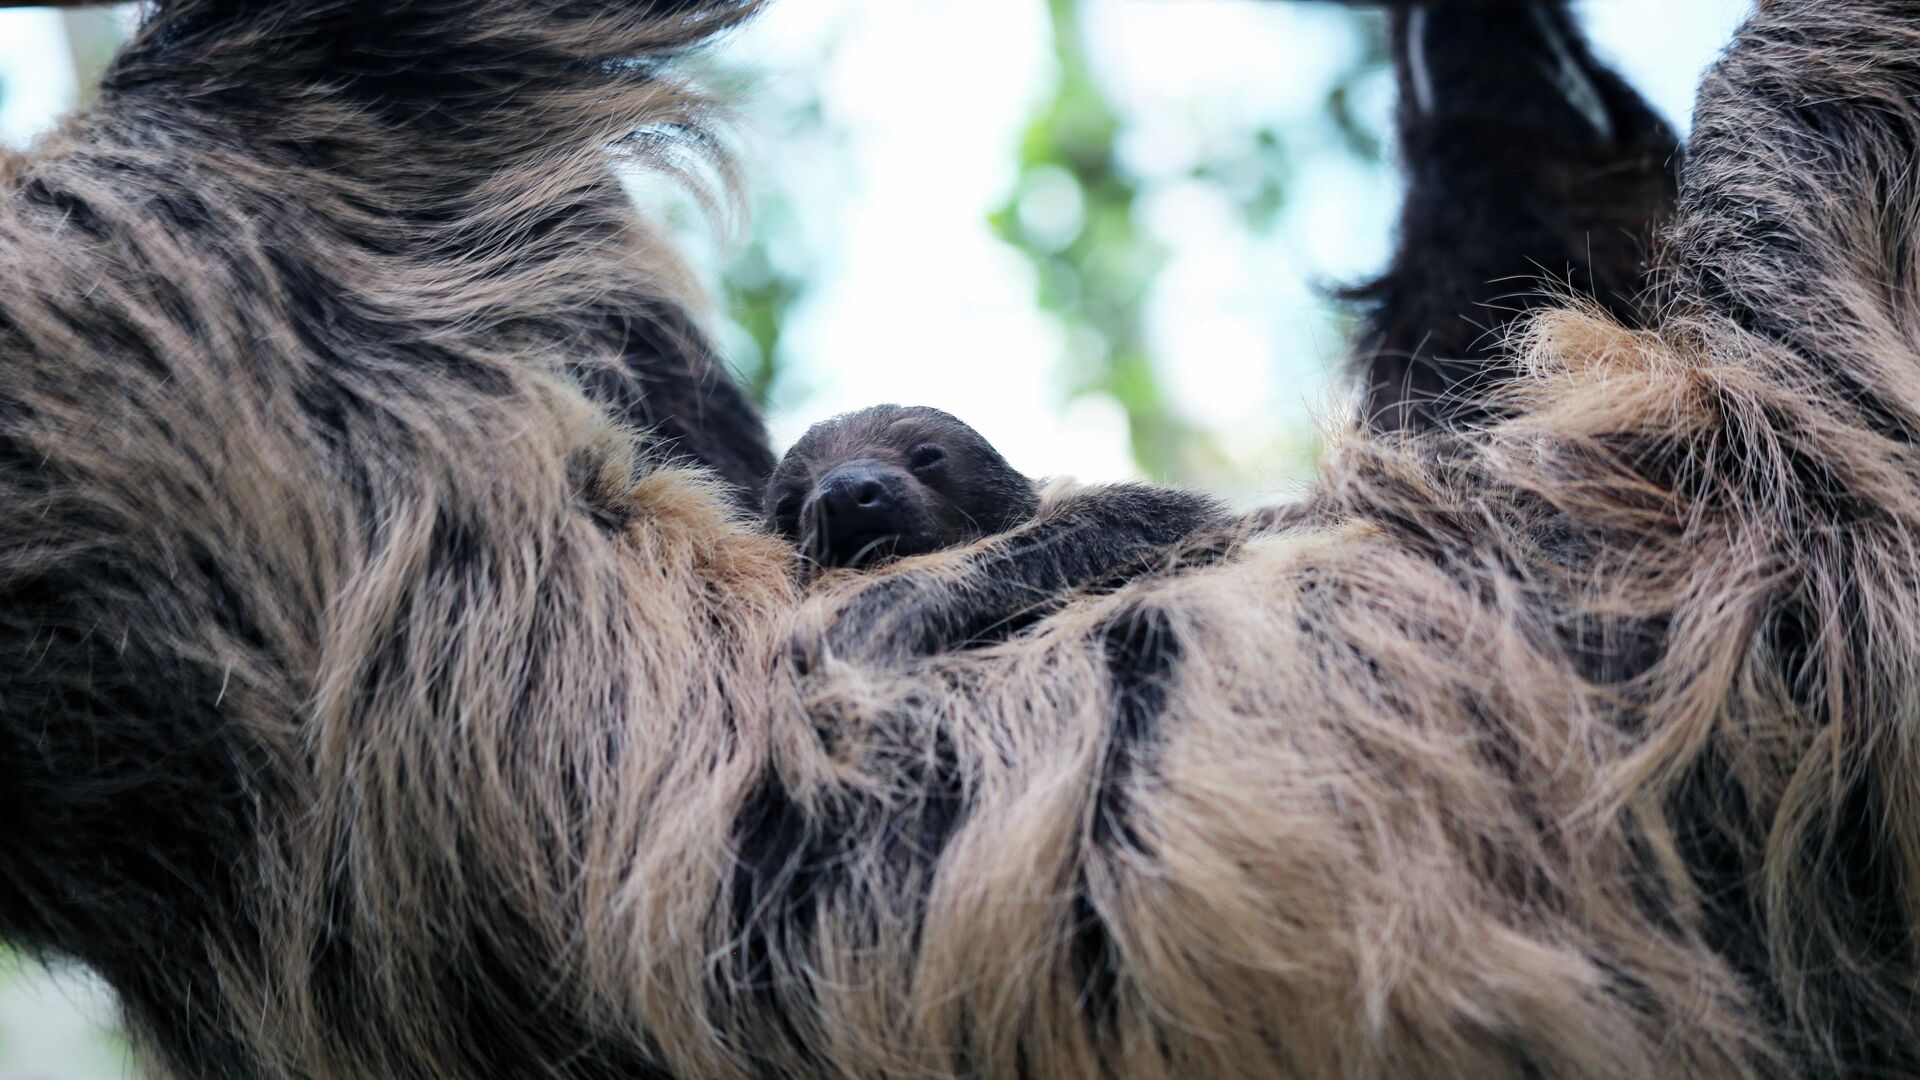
891,481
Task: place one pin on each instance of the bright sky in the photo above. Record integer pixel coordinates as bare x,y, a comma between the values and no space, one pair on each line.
36,77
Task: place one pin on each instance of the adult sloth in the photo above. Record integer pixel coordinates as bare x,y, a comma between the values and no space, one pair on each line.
372,705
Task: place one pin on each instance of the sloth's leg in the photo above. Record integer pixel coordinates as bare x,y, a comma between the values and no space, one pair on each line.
1797,252
449,167
1530,167
1798,207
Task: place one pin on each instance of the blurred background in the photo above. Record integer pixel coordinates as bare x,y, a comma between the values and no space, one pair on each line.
1101,231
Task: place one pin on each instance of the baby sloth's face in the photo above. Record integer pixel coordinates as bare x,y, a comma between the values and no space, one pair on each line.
892,481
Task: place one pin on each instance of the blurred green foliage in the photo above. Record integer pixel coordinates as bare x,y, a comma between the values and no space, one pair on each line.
1094,276
1095,265
1073,213
767,274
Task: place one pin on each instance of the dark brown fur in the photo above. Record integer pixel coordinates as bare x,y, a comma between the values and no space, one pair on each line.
373,703
1534,173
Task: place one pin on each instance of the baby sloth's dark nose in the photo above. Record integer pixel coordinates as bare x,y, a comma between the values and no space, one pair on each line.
858,513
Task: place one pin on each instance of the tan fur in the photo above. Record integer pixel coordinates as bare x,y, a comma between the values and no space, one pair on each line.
1389,822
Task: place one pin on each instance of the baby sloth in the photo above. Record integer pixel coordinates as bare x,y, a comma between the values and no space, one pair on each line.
892,481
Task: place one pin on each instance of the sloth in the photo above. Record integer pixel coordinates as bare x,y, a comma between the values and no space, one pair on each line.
891,481
391,685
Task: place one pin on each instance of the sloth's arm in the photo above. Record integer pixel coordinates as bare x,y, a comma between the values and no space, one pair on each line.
285,450
1531,168
1086,539
409,161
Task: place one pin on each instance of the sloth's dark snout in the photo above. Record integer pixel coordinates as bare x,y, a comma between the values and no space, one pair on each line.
861,509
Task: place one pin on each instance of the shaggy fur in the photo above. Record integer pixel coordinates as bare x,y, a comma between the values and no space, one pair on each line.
372,704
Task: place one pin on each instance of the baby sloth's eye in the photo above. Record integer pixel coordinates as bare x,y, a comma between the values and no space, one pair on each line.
925,456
